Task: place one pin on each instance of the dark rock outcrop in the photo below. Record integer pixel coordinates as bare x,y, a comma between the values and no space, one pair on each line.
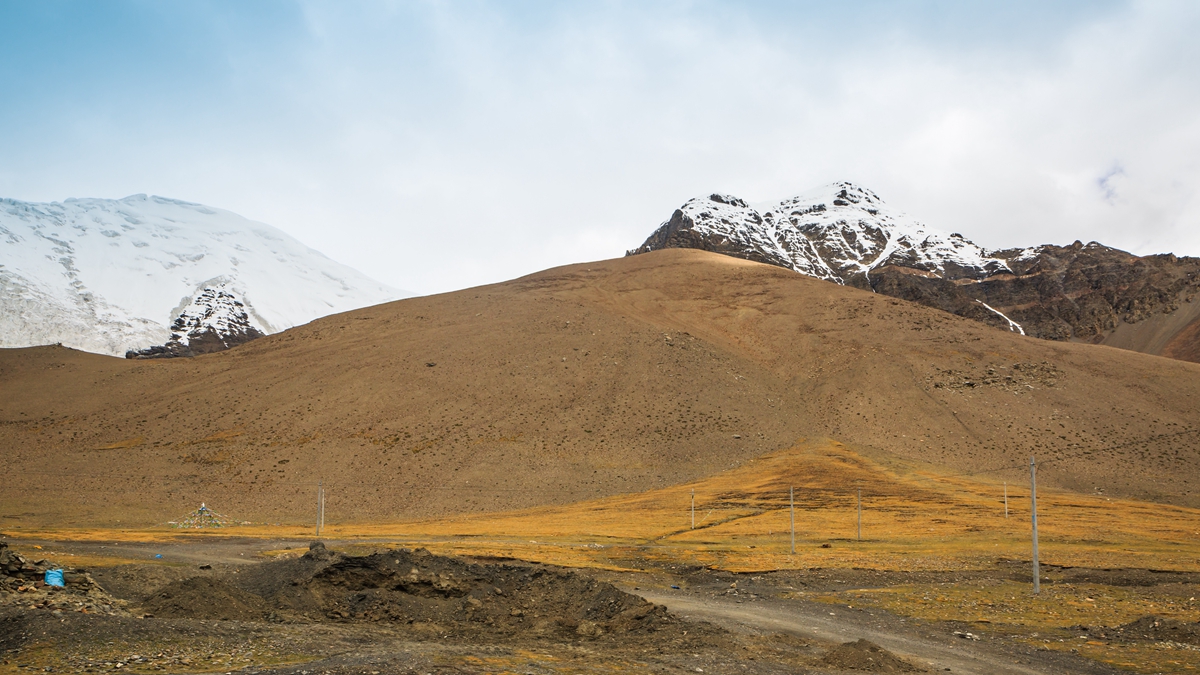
215,320
1079,292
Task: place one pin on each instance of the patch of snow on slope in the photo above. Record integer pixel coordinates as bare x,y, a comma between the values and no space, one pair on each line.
1012,325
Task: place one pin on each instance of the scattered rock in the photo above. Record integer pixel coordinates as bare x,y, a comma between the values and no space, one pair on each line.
318,552
1017,378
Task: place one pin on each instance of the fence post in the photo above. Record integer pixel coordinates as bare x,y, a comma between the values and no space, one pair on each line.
1037,577
792,502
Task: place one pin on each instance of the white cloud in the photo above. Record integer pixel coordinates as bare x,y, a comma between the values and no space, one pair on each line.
436,146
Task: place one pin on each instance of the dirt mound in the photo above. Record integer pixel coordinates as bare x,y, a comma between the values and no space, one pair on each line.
426,590
204,598
271,579
1159,629
416,588
868,656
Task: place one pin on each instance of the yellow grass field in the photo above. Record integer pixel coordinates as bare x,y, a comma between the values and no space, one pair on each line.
913,519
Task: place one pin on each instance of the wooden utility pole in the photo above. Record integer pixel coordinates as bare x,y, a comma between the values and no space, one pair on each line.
693,509
1037,577
860,514
1005,499
792,501
320,506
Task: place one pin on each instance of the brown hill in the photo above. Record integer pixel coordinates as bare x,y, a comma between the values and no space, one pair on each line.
577,382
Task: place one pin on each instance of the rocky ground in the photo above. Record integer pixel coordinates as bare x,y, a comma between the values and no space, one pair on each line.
22,584
410,611
404,611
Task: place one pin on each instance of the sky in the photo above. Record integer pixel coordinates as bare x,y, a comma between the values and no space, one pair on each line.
440,145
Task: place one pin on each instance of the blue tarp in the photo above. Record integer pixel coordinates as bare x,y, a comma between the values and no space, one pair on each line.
54,578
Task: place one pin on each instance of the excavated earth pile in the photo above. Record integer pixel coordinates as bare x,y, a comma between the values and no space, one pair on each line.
414,588
864,655
395,611
205,598
411,612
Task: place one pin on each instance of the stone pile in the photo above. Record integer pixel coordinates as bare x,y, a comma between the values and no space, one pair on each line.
14,570
22,584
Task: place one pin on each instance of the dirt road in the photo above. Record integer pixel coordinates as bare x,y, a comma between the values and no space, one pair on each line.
839,624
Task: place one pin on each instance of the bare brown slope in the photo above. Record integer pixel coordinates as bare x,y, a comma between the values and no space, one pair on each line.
1185,345
576,382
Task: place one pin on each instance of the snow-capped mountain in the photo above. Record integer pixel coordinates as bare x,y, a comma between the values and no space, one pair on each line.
109,276
839,232
845,234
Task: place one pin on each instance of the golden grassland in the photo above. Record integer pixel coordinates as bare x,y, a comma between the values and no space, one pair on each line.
913,519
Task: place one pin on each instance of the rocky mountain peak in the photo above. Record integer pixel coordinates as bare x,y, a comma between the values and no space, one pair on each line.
215,320
838,232
847,234
728,200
